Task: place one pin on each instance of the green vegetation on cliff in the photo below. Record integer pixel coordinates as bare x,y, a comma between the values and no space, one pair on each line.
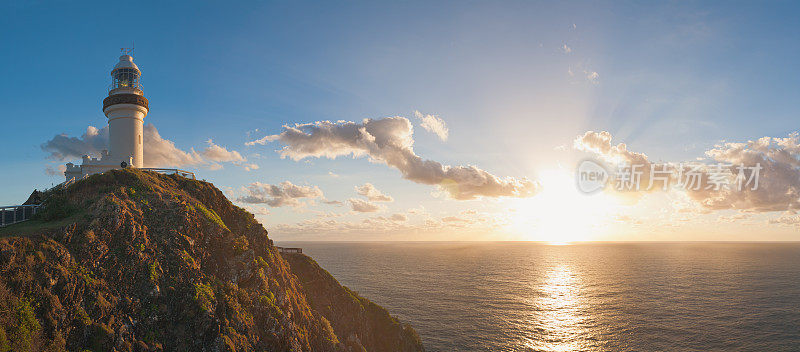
138,261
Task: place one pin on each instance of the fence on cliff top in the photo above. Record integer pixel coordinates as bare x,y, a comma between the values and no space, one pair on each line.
13,214
178,172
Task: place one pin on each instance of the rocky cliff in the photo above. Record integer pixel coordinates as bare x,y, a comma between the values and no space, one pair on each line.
361,324
137,261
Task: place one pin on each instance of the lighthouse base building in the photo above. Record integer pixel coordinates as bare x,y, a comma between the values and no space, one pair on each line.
91,166
125,107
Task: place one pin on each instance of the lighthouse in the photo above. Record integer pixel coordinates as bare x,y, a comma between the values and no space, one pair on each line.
125,107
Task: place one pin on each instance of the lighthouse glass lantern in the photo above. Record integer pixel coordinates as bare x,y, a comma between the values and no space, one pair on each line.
125,78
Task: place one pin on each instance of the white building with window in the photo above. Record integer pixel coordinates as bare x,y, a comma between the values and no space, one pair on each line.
125,107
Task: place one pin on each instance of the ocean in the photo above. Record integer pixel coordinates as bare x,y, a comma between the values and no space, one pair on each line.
517,296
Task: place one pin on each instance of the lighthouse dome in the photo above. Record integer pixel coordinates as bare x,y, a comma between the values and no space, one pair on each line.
125,61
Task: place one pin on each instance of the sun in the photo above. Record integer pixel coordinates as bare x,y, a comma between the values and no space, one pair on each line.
560,213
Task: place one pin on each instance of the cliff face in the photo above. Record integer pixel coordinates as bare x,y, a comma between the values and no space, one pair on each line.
361,324
138,261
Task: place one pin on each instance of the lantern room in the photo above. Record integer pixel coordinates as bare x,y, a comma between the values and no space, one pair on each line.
125,76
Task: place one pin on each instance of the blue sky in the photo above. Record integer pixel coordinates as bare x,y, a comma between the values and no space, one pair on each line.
515,82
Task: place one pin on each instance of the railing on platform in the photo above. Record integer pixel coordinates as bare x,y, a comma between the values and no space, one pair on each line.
13,214
289,250
178,172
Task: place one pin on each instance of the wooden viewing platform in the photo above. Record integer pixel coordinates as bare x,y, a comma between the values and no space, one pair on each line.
290,250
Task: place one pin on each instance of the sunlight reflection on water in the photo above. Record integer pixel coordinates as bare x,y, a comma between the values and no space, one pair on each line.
556,314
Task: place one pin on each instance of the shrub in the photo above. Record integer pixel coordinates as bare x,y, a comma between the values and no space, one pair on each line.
84,273
82,317
240,244
56,207
187,259
24,328
154,271
268,301
5,346
204,296
210,215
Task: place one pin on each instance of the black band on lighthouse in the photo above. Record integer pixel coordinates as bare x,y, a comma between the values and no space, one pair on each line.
125,99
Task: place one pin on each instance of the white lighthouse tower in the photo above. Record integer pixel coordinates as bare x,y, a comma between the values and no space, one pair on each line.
125,107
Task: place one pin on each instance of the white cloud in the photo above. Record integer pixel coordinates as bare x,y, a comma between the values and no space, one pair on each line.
57,171
219,154
455,219
592,76
399,217
375,224
363,206
778,180
283,194
214,154
62,147
249,167
418,210
397,223
789,218
434,124
600,143
372,193
735,217
258,210
390,141
158,151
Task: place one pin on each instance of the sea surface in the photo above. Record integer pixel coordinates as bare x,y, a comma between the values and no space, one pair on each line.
586,297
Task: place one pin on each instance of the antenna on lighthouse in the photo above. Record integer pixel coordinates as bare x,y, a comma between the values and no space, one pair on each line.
127,51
